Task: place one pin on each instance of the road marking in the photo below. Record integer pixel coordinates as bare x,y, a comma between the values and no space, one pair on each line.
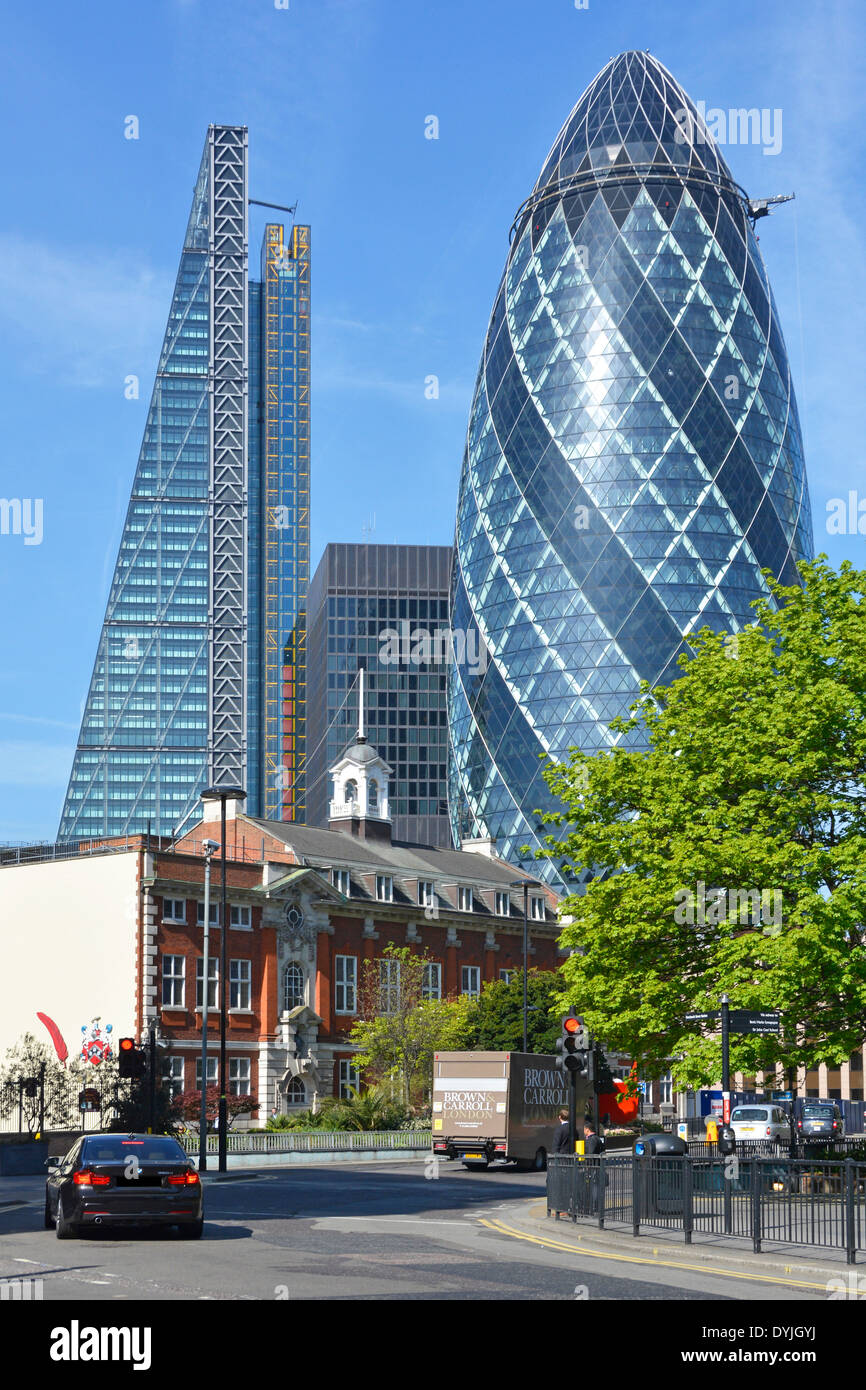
502,1229
397,1220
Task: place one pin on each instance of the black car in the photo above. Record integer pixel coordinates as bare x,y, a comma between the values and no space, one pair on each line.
820,1121
123,1180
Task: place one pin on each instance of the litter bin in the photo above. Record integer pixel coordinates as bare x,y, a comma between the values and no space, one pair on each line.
651,1145
658,1174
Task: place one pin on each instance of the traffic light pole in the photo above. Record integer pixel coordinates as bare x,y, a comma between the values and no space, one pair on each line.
151,1078
572,1111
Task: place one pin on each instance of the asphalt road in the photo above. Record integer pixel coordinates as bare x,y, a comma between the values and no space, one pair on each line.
344,1232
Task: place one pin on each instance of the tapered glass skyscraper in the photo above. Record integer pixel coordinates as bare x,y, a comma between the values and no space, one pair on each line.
633,455
209,587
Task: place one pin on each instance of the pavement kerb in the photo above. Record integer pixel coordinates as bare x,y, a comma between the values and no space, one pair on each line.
530,1218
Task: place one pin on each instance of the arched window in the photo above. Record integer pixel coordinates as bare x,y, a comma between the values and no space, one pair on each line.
296,1092
293,986
350,790
373,795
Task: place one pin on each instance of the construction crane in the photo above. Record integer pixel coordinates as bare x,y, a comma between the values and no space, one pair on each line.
762,207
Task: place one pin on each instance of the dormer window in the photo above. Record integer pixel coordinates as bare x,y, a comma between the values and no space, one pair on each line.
342,881
426,893
503,904
536,909
464,899
384,888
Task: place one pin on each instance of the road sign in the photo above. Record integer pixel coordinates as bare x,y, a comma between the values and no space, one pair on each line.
781,1095
744,1021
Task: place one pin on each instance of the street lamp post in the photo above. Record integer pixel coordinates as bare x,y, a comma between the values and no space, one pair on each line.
222,795
209,847
525,884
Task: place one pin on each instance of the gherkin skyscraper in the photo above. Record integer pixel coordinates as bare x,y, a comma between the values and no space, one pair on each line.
633,456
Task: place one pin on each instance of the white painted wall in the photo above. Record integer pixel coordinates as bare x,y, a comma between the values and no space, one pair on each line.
67,946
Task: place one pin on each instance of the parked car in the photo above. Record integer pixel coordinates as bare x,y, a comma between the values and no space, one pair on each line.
820,1121
754,1124
124,1180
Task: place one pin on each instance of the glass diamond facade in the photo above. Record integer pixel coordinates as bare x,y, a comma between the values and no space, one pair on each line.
633,455
187,686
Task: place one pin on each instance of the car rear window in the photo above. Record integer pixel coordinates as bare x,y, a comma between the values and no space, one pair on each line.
744,1112
819,1112
153,1148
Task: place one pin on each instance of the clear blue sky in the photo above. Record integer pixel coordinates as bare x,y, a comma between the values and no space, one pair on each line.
409,238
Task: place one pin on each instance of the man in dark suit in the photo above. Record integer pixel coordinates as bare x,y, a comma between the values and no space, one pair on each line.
560,1139
592,1142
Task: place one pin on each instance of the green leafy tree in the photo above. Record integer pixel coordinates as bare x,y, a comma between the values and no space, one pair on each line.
496,1022
399,1028
730,856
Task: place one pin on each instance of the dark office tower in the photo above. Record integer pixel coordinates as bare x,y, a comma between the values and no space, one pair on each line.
633,456
383,608
210,576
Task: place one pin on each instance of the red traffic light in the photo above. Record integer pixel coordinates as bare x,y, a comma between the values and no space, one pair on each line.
572,1025
126,1044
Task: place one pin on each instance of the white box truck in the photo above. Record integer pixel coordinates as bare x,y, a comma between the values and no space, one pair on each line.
490,1106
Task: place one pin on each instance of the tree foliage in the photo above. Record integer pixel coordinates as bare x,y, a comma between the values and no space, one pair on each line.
187,1105
399,1028
752,782
495,1020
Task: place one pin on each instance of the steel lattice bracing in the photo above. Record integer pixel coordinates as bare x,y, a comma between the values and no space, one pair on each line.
228,393
633,456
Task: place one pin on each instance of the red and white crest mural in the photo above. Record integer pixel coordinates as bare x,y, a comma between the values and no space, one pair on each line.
96,1044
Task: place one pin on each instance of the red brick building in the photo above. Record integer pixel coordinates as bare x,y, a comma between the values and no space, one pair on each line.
307,908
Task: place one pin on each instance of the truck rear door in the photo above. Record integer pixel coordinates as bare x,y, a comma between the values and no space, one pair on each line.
470,1091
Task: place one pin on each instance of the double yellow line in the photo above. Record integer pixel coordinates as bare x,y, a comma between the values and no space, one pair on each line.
713,1272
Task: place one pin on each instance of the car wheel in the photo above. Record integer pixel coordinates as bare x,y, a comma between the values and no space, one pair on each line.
49,1219
64,1230
540,1161
192,1230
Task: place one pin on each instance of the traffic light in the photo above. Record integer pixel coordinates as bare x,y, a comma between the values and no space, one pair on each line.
131,1059
573,1047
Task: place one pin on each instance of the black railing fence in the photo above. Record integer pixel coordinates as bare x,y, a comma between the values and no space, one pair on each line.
38,1104
799,1201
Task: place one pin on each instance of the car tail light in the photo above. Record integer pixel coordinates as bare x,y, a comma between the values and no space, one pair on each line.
182,1180
86,1178
835,1124
499,1148
799,1124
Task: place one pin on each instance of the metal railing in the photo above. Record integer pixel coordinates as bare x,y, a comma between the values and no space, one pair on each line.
46,1103
799,1201
315,1141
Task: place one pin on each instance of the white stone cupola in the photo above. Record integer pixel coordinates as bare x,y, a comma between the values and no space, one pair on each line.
360,804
